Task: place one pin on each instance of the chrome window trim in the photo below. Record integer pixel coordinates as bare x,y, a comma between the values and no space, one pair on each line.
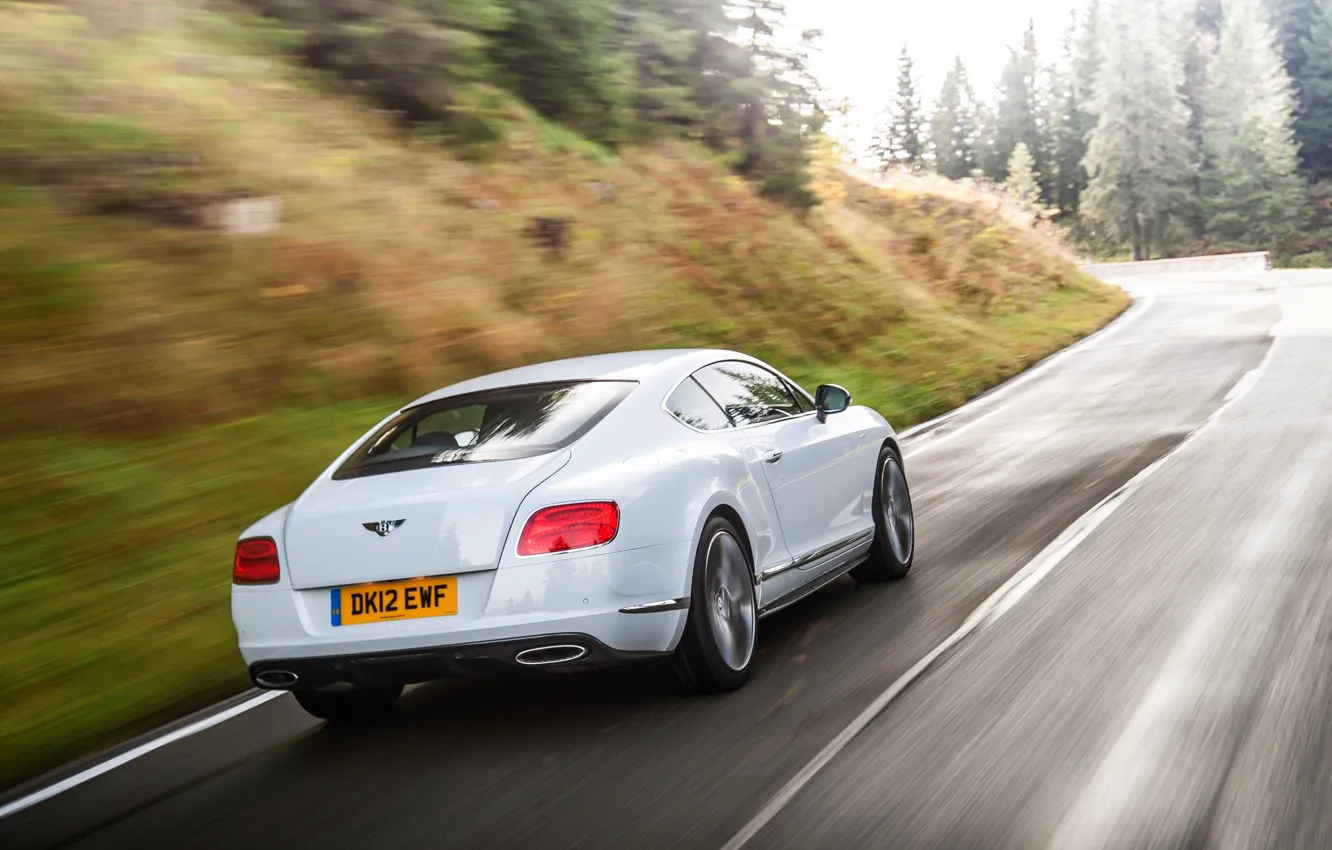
730,426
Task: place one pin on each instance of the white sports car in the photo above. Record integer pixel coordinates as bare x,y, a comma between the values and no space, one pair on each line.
586,511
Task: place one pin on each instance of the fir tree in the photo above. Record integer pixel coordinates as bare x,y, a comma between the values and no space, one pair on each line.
1070,118
1138,159
778,100
1016,116
663,43
1251,191
901,142
1313,128
953,129
557,54
1021,182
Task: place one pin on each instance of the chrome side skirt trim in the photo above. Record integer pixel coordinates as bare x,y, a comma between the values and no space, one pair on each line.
773,572
653,607
818,554
806,589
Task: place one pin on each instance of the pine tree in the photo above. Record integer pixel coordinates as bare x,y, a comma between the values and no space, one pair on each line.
1070,120
1138,159
1313,128
900,141
1251,190
986,128
1021,182
1194,39
1017,114
1191,32
778,105
953,129
1292,19
558,56
663,44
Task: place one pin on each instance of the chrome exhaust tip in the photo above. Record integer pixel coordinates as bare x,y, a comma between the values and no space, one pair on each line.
542,656
276,679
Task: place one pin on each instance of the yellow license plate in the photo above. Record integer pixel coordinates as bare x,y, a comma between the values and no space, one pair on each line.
395,600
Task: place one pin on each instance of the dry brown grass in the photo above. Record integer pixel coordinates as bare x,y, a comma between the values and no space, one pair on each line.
397,268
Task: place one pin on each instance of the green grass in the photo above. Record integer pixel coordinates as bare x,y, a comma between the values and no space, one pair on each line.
115,554
114,571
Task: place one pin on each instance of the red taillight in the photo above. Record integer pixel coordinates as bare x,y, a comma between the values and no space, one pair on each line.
566,527
256,561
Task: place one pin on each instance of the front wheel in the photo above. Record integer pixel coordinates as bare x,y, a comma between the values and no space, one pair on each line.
365,702
717,647
894,523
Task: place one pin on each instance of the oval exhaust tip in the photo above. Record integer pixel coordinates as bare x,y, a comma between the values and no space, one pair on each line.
276,679
541,656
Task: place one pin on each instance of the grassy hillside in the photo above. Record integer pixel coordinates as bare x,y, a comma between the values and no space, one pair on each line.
166,383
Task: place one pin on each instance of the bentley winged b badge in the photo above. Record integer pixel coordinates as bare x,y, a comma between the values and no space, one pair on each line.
384,527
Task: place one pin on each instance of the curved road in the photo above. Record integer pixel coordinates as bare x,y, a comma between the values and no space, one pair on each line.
1165,684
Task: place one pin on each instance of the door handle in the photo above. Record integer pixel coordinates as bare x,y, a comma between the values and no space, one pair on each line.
772,456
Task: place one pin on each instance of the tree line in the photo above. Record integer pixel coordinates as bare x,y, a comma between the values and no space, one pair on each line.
722,72
1162,126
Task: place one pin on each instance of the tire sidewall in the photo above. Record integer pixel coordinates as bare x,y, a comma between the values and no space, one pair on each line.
698,643
883,547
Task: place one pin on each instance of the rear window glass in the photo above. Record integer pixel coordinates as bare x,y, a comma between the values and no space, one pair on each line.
502,424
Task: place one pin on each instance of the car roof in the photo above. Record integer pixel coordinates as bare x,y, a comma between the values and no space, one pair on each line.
647,367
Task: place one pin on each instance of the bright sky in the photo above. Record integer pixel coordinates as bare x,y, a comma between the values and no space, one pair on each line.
862,40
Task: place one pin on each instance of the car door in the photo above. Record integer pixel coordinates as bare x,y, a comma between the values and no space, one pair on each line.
816,471
695,408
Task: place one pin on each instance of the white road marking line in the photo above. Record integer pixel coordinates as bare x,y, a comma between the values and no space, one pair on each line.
1121,773
1125,319
130,755
1144,744
1243,385
992,608
96,770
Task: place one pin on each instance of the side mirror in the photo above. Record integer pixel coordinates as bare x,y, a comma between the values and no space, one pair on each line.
830,398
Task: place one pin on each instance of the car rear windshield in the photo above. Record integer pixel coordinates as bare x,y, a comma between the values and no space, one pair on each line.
501,424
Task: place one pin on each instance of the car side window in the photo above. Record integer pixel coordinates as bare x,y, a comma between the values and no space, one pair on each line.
749,394
802,401
696,408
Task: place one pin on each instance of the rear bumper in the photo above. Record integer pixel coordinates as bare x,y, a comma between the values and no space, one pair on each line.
573,594
439,662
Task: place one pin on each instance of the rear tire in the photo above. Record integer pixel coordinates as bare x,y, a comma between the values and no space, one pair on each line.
717,649
363,703
894,547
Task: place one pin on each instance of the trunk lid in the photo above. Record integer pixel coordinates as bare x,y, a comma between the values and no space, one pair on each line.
454,519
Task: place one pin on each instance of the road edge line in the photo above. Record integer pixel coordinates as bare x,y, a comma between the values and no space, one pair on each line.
133,753
1123,320
995,605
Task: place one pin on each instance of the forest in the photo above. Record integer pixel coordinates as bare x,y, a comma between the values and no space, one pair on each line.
726,73
1152,129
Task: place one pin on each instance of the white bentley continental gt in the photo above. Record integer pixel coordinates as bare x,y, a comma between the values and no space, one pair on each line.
576,513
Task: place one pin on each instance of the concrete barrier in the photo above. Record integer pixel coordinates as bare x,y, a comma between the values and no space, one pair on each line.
1257,261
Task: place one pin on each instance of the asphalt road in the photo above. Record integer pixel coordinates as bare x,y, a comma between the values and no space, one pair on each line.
1164,685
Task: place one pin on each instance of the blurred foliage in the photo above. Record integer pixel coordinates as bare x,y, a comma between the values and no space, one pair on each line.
167,383
611,70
